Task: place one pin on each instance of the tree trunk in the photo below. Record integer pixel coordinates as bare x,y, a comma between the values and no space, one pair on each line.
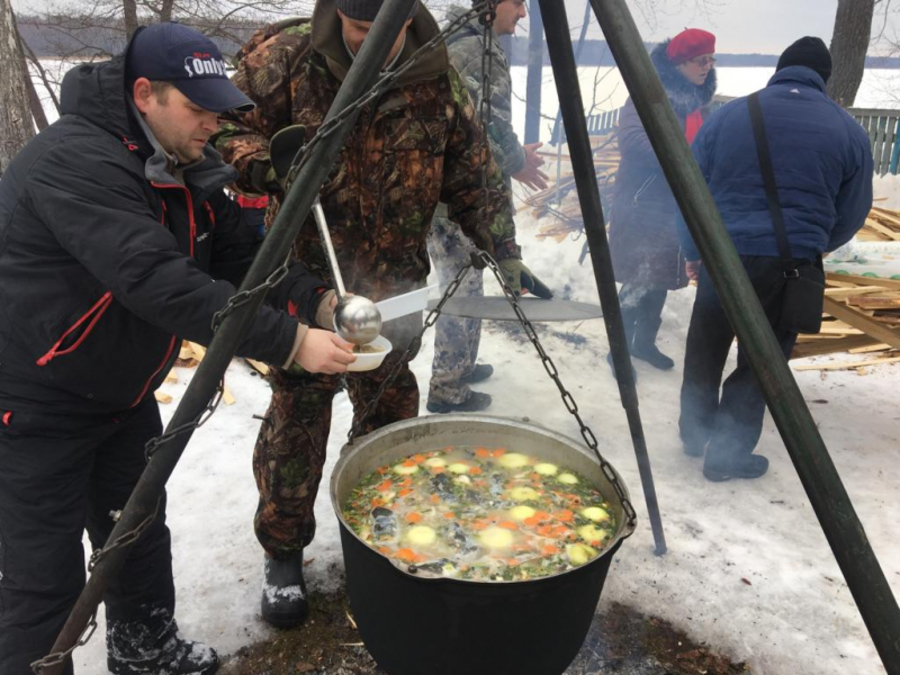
852,32
34,101
535,75
129,9
16,126
165,13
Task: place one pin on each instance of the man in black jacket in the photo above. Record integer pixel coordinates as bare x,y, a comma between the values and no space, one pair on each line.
117,242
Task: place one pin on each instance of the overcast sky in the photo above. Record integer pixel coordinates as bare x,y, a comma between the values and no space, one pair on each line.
741,26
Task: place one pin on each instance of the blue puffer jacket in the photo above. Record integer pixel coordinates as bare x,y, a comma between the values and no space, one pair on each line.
823,169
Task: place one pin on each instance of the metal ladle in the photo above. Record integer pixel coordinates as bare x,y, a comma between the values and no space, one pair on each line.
356,319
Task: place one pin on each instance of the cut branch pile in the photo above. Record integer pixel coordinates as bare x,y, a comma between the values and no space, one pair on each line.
190,356
559,205
861,317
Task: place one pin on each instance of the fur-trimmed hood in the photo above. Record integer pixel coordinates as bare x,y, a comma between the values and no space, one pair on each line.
684,96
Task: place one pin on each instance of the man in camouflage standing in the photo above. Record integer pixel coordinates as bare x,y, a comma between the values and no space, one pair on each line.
417,145
456,340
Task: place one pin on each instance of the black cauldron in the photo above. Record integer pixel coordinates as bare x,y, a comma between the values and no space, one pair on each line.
417,624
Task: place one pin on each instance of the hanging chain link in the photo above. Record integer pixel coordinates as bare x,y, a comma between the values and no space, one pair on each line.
59,658
242,298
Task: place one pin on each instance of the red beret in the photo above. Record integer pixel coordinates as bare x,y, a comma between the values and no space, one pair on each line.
689,44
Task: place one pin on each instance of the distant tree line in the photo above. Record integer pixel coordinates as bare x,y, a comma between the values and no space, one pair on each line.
46,38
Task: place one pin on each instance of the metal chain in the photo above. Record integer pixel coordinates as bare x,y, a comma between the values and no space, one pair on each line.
59,658
124,540
481,259
568,400
413,346
484,107
242,298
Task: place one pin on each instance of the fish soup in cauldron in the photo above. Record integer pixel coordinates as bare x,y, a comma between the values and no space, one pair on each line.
481,514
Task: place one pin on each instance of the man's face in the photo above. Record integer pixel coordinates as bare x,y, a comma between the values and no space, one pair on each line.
508,14
355,33
181,127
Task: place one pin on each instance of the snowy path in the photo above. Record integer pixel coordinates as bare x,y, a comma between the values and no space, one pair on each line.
748,569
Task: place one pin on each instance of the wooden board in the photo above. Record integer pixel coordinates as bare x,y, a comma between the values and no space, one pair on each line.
804,350
864,323
843,280
849,366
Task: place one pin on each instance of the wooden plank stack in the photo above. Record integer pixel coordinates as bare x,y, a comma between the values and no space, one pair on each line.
881,225
862,316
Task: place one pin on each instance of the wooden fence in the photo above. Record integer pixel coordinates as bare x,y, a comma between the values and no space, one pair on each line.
881,125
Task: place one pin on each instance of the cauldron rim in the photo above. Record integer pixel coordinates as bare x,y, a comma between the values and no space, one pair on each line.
348,452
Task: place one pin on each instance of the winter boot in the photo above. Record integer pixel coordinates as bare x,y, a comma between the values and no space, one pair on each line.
155,647
476,402
481,372
749,466
643,346
284,601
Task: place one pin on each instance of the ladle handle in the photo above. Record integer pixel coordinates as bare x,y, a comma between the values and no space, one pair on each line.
325,236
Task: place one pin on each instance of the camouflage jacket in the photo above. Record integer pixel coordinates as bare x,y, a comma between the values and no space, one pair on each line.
418,144
465,48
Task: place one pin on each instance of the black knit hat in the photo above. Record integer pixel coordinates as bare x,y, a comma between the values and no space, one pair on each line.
365,10
810,52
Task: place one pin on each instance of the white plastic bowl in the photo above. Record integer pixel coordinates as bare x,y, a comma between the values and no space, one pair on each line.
366,362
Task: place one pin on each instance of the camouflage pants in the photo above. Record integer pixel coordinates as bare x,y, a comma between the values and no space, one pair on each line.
290,450
456,340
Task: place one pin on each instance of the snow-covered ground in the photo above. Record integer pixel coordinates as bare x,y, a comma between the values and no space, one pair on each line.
748,569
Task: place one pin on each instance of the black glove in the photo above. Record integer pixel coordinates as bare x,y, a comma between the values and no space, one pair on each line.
519,277
283,149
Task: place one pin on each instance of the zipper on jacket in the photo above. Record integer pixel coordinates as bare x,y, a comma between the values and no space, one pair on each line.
190,209
155,372
97,310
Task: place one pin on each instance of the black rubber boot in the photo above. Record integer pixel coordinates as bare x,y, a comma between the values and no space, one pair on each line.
476,402
284,601
481,372
155,648
643,346
751,466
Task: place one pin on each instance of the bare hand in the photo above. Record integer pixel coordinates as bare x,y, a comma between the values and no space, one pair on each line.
530,176
692,269
324,352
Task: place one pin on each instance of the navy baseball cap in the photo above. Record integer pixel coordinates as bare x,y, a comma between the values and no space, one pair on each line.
190,61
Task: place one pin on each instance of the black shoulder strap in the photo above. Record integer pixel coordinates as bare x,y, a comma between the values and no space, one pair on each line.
768,174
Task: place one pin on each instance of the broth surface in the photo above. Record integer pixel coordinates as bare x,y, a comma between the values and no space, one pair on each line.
485,514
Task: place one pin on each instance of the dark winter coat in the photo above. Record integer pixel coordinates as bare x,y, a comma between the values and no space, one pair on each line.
822,161
107,261
642,235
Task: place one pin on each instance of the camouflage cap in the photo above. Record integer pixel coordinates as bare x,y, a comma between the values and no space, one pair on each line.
366,10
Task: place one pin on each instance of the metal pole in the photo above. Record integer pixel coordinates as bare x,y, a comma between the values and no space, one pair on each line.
535,76
807,450
275,248
559,43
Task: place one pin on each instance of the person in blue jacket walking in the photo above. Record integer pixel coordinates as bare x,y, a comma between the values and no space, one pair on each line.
823,172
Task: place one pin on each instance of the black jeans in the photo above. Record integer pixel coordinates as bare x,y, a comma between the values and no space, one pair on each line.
60,475
733,423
